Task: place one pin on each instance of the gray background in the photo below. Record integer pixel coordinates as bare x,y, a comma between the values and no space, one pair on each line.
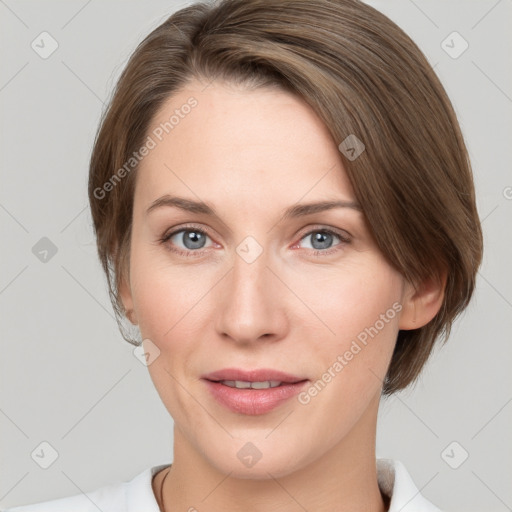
67,376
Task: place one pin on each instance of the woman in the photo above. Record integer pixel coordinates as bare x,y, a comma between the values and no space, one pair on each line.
284,207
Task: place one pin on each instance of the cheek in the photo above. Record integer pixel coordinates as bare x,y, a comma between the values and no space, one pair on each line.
164,294
168,301
360,309
351,367
354,299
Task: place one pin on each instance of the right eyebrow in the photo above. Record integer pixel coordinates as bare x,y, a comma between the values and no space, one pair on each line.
184,204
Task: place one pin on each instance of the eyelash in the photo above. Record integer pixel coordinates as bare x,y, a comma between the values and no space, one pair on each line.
190,253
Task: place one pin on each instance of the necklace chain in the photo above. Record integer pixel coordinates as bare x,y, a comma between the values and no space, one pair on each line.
162,509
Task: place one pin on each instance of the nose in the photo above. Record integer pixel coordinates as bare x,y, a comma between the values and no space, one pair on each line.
251,302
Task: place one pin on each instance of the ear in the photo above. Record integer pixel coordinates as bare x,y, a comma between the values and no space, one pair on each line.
421,302
125,294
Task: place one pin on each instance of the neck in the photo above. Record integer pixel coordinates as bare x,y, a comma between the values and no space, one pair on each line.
342,479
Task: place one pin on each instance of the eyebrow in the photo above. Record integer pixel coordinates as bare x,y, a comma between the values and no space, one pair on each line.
298,210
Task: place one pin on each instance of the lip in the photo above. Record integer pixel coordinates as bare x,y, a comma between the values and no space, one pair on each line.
253,402
258,375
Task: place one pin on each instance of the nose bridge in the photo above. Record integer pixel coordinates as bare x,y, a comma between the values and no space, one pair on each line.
250,268
250,307
250,280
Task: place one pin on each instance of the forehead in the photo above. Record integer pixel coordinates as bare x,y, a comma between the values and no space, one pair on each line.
220,138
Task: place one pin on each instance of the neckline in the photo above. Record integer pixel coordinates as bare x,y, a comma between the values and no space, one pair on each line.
385,481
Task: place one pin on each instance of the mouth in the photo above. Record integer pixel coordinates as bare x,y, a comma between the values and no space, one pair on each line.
243,384
257,376
253,392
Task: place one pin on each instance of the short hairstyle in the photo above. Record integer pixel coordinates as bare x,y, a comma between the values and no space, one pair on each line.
364,77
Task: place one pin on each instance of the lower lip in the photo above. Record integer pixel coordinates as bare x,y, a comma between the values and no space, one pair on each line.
253,401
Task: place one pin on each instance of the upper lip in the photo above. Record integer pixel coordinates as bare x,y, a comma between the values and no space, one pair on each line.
258,375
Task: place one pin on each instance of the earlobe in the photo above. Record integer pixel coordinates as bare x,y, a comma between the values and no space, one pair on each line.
126,298
130,314
422,302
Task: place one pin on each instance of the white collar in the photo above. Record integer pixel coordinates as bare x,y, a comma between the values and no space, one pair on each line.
394,480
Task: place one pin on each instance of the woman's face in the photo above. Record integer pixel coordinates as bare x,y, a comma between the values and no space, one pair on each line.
249,287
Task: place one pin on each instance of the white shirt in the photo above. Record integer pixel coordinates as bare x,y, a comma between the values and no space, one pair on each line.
137,494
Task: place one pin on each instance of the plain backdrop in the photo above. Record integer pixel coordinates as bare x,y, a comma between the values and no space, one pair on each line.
69,379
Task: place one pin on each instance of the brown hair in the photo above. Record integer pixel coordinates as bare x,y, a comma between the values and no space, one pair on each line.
363,76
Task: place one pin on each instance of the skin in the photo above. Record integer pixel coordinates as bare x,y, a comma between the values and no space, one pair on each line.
251,154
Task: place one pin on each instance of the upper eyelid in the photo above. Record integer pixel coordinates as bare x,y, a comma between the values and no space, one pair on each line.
179,229
319,227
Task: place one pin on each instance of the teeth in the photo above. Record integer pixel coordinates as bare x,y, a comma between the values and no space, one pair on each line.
242,384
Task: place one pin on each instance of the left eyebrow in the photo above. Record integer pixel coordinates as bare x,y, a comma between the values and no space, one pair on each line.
298,210
301,210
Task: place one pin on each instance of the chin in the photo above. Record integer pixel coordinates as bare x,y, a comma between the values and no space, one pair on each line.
257,460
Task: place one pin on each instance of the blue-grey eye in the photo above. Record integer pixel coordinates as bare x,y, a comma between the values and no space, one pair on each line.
321,239
190,238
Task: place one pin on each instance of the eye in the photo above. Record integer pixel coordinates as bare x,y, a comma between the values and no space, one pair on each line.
187,241
190,241
321,241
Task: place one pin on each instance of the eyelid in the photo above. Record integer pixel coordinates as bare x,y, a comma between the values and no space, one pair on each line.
342,233
184,227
